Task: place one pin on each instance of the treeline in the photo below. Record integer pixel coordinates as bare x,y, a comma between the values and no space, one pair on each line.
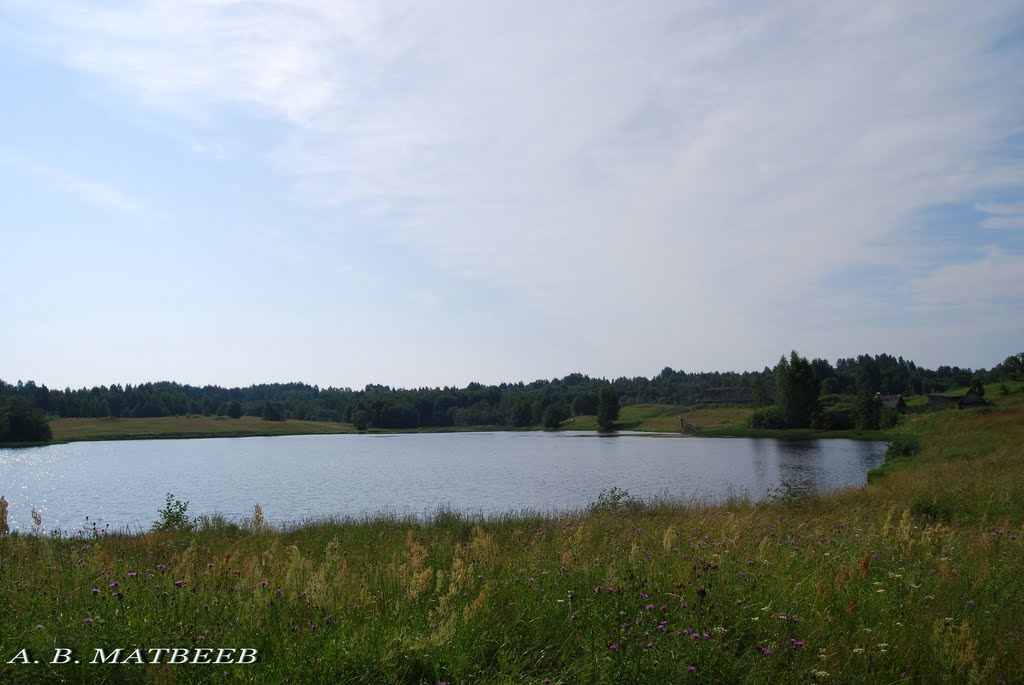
508,404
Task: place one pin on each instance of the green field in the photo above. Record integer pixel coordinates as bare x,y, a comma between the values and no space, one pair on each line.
69,430
916,578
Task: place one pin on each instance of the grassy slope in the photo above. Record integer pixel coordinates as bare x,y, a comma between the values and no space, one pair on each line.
727,421
917,578
67,430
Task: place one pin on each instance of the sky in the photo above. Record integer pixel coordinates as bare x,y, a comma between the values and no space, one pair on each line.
432,193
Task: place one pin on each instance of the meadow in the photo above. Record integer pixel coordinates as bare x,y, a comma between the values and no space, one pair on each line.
191,426
915,578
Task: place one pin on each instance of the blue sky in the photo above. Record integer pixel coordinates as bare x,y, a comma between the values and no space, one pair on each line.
434,193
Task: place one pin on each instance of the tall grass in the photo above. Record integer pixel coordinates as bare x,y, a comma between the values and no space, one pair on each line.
917,578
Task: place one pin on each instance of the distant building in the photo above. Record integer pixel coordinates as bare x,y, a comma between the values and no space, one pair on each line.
971,399
726,396
894,402
967,400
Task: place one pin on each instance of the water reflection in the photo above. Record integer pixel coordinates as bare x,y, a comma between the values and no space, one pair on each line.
301,477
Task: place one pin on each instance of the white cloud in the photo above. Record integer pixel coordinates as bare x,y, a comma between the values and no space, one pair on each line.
996,275
1008,215
88,190
684,166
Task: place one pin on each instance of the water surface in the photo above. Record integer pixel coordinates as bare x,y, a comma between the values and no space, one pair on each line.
123,484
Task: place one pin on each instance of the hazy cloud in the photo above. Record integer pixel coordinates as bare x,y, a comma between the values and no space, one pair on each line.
695,168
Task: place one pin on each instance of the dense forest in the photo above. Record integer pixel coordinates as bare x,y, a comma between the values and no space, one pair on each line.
508,404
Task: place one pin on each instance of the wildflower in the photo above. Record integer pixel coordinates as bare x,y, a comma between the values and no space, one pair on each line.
613,647
643,595
39,627
692,669
179,583
767,651
264,583
278,592
597,590
649,645
573,617
95,591
655,663
114,584
313,627
649,607
132,574
971,602
87,621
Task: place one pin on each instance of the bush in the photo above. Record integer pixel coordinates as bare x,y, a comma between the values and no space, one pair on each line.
833,419
173,517
767,417
613,500
903,445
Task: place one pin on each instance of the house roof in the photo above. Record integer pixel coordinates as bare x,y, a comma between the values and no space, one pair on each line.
892,401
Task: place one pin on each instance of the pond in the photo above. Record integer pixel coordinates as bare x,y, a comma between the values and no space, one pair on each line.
123,484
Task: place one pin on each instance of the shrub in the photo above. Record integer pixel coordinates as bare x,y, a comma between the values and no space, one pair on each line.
614,499
903,445
767,417
173,517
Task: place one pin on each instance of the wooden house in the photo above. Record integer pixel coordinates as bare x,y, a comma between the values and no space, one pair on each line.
971,399
894,402
965,401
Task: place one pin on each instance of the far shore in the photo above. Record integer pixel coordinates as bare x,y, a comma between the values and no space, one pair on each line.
654,419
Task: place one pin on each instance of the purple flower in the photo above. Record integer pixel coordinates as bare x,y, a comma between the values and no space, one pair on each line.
95,591
313,627
179,583
573,617
613,647
132,574
649,645
39,627
264,583
160,567
692,669
597,590
971,602
643,595
649,607
278,592
87,621
209,565
114,584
